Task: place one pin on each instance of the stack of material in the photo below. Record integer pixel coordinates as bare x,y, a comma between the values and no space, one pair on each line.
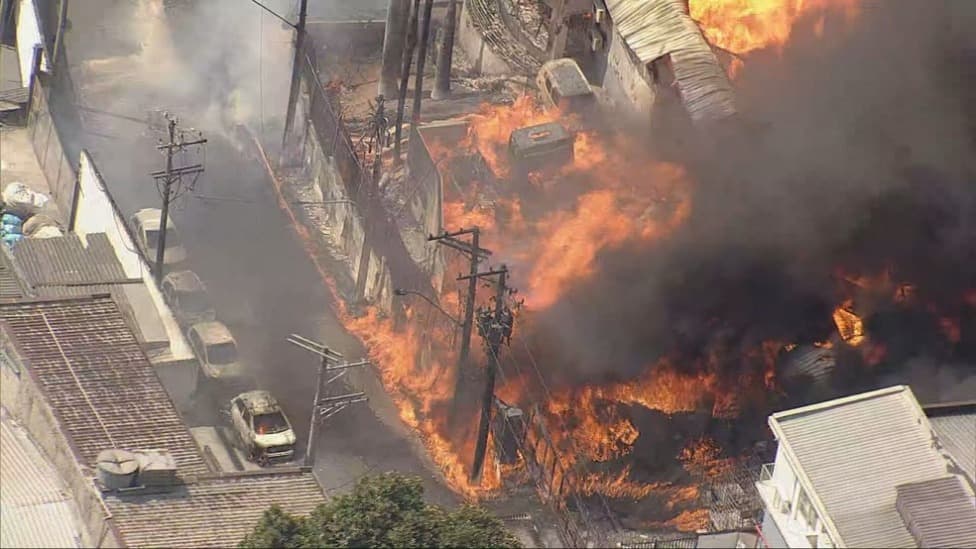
26,213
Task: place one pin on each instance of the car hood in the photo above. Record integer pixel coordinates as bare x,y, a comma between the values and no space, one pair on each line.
275,439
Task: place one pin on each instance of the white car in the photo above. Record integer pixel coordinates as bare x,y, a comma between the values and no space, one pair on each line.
216,349
146,223
262,427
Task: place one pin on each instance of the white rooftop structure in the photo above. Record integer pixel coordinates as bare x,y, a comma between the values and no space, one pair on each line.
35,508
838,468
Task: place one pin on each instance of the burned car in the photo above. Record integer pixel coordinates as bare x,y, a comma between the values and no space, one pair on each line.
216,349
562,85
187,296
262,427
548,145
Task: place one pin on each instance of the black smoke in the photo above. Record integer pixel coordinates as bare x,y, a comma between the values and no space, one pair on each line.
859,155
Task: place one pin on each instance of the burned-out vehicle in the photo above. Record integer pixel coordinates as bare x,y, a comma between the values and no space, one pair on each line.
548,145
187,296
262,427
216,349
562,85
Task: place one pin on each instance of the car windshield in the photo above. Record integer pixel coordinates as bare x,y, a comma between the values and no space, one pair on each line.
152,238
265,424
222,353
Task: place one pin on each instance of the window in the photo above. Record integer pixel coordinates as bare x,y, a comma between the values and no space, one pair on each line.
805,510
222,353
240,407
265,424
152,238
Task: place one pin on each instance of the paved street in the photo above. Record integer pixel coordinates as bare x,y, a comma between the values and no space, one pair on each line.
240,243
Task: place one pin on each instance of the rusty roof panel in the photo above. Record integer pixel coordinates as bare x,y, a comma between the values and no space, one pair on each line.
98,380
211,512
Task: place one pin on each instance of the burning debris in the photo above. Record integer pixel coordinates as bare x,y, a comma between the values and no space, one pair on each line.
671,303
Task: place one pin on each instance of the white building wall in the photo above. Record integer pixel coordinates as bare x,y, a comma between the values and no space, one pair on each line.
28,36
95,214
782,494
625,81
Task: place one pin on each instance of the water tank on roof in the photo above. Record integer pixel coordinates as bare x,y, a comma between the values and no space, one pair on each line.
117,469
156,468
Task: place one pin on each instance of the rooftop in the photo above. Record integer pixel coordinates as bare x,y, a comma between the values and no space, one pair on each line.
76,266
655,28
956,425
938,512
854,452
11,282
86,360
210,511
35,510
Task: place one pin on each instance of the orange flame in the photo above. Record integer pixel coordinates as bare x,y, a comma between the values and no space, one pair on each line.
849,325
741,26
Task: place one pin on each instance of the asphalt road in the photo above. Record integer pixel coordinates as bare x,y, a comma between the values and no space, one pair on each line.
240,243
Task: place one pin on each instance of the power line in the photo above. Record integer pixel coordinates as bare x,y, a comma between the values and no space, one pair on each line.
267,9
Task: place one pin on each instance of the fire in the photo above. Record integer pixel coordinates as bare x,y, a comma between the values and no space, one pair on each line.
702,458
741,26
849,325
690,521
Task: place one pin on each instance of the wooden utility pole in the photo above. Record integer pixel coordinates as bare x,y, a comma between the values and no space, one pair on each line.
296,71
172,179
475,254
393,37
493,329
418,92
405,76
326,407
445,55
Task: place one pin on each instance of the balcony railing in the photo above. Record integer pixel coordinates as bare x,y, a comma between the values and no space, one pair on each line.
766,473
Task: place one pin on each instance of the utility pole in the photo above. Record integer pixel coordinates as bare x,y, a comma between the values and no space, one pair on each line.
325,407
172,177
296,71
445,55
475,254
393,38
493,326
418,92
405,76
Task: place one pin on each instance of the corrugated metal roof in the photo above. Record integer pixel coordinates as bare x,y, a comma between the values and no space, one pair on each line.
95,376
68,260
11,286
654,28
938,513
35,509
958,433
855,451
215,512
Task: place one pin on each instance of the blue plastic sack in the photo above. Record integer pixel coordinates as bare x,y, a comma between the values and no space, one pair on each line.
12,229
11,240
11,219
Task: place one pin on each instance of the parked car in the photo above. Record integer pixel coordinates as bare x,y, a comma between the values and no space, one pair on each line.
216,349
146,223
262,427
562,85
187,296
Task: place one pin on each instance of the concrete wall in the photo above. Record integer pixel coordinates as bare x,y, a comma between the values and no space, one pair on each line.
97,213
476,50
626,81
28,36
46,141
22,396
